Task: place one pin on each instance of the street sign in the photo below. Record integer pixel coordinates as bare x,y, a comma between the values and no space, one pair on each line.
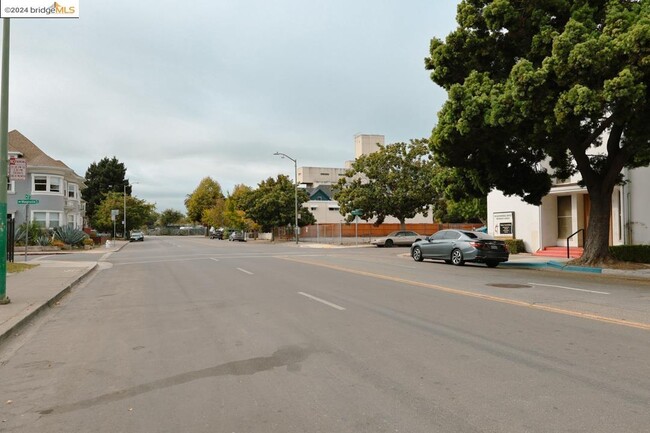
32,201
357,212
17,169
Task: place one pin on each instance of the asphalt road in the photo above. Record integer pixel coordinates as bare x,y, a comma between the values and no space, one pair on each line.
198,335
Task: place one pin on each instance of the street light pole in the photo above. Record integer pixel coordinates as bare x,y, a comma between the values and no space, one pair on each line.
124,221
295,189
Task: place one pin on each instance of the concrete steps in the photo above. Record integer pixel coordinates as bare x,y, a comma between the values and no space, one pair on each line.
574,252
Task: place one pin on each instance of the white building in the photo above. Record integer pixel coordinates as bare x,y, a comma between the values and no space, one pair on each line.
565,211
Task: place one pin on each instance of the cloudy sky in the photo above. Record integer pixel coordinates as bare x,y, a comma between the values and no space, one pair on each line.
178,91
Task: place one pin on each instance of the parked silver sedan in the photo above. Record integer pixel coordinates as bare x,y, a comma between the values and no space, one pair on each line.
460,246
400,237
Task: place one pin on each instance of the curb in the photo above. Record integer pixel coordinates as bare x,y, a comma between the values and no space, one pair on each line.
553,265
24,321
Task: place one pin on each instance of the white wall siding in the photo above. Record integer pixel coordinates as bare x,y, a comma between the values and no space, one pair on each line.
527,218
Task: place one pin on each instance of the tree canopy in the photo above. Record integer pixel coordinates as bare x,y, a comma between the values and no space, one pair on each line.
394,181
541,90
102,177
170,216
139,213
271,204
202,198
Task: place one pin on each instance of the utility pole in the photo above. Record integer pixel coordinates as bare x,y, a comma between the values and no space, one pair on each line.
4,146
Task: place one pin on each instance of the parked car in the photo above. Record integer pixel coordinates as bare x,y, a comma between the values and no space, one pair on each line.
460,246
400,237
216,234
136,235
237,236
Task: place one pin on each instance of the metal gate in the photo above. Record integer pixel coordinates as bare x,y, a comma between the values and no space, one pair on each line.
11,232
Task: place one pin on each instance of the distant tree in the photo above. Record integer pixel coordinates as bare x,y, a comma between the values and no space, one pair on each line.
139,213
272,204
396,180
530,82
169,217
102,177
202,198
214,216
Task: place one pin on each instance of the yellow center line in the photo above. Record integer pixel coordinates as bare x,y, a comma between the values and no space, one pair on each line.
573,313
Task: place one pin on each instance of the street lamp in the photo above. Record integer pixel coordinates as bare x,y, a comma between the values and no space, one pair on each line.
124,221
295,180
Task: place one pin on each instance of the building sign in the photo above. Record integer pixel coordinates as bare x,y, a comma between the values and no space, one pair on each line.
17,169
504,224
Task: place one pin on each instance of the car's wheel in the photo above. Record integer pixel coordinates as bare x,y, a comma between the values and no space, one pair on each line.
457,257
417,254
492,263
388,243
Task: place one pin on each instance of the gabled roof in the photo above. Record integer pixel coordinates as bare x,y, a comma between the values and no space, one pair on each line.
321,192
32,153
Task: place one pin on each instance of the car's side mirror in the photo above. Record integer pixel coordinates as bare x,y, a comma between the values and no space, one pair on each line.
428,239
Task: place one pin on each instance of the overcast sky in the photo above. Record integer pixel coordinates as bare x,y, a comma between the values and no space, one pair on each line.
178,91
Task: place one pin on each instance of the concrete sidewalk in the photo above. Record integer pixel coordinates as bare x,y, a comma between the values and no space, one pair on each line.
34,290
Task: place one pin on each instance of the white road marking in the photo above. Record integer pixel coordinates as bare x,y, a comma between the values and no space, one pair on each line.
245,271
338,307
571,288
212,258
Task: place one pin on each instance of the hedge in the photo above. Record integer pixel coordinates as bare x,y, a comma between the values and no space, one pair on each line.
515,246
631,253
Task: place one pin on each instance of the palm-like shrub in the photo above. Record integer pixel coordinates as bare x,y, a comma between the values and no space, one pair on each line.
34,232
69,236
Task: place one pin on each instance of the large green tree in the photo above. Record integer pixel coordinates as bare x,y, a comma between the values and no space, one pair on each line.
170,216
203,198
102,177
457,198
396,180
139,213
535,82
272,204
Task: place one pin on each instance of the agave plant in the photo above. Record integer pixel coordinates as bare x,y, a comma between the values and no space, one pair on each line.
43,240
69,235
34,231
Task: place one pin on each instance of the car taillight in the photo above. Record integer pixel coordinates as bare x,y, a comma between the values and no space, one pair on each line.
478,245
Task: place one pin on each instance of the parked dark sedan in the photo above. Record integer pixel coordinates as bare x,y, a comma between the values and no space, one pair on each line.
460,246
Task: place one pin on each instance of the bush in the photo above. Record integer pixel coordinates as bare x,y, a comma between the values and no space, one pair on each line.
58,243
631,253
69,236
89,241
515,246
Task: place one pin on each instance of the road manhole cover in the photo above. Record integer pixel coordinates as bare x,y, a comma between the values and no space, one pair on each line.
510,286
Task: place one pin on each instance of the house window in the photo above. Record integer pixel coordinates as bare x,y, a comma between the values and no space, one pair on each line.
11,186
336,208
72,190
47,219
43,183
71,221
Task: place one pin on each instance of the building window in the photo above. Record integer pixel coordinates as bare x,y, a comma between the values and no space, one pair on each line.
564,220
334,208
71,221
72,190
47,219
43,183
11,186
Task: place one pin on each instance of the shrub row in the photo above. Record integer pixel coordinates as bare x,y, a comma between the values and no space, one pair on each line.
631,253
515,246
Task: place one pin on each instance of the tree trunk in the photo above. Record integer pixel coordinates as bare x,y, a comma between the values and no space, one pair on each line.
596,249
402,225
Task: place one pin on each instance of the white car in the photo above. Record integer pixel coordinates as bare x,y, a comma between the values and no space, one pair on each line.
400,237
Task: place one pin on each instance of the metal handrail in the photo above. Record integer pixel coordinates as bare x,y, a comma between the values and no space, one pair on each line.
568,256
